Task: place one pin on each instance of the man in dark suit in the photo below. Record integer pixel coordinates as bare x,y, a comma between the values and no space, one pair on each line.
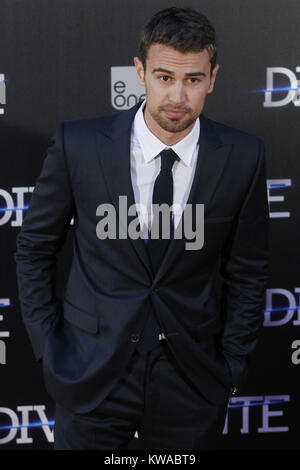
150,336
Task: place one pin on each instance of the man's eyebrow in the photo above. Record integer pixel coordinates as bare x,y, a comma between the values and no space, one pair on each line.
191,74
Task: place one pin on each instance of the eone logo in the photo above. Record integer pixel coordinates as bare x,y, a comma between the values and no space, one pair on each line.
292,91
125,88
20,425
2,92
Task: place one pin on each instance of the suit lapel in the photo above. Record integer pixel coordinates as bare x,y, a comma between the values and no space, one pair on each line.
114,156
211,161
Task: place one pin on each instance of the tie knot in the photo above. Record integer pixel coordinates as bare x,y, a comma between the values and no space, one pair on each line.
168,157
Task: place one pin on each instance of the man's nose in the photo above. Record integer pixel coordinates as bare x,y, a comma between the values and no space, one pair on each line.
177,94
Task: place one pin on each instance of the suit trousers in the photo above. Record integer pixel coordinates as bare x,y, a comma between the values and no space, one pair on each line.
154,399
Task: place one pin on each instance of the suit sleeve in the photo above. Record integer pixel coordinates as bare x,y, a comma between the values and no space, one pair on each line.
42,234
244,266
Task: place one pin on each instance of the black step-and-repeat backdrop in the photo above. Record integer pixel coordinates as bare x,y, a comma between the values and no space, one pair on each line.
63,59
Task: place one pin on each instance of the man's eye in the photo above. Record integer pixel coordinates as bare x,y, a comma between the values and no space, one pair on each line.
194,80
164,78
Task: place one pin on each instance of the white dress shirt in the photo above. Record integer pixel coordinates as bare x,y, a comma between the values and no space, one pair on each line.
145,166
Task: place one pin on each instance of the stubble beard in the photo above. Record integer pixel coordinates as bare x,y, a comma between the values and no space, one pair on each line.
172,124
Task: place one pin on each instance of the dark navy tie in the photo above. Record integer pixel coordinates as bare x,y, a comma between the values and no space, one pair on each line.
162,193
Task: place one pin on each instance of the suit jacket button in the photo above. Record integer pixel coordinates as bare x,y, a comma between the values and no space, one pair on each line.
135,338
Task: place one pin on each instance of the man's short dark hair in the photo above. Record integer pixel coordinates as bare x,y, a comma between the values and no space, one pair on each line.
184,29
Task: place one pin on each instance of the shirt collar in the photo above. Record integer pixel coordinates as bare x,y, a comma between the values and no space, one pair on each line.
151,146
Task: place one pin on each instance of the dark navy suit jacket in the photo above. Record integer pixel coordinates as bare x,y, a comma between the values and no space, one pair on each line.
87,337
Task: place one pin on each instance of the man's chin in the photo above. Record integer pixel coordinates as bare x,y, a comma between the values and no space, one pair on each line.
175,125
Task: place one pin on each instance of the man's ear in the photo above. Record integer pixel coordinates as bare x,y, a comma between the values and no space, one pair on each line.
213,78
139,70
